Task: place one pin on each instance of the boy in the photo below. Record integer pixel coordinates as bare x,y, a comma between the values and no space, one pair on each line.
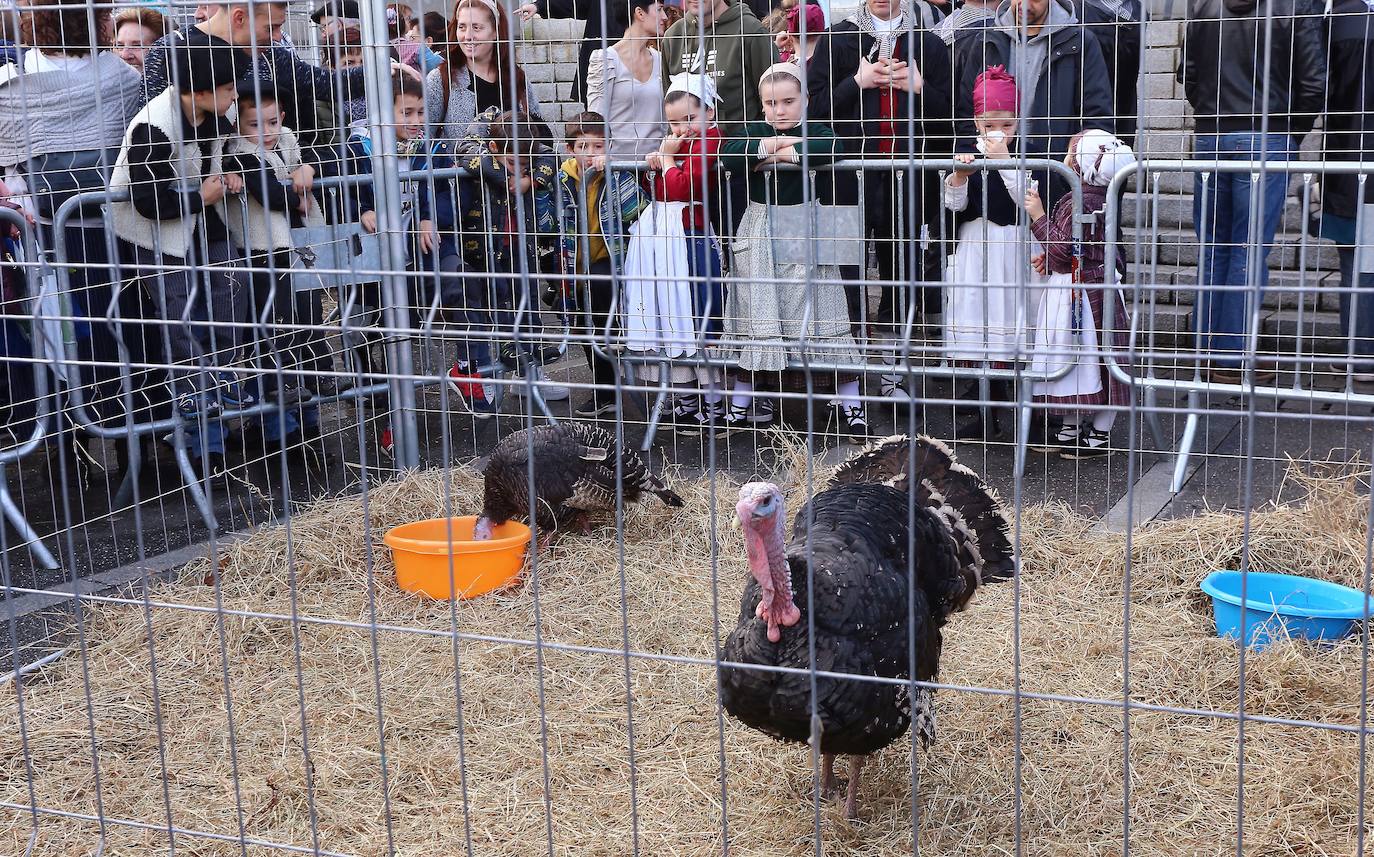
171,165
275,199
594,238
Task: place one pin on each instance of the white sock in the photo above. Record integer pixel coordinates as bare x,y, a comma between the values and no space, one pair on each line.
849,394
1104,420
709,381
742,392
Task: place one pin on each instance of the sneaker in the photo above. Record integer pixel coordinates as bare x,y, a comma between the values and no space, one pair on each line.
471,392
735,418
852,419
894,387
1090,443
232,394
550,391
388,443
1050,435
762,412
707,417
539,354
594,408
289,395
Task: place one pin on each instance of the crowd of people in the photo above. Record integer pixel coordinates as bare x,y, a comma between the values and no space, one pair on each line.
669,213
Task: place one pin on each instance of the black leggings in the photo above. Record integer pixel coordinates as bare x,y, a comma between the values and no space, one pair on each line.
595,297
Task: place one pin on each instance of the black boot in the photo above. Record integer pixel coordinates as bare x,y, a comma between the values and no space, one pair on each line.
980,421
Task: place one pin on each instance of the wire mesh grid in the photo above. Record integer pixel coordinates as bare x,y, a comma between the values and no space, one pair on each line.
281,279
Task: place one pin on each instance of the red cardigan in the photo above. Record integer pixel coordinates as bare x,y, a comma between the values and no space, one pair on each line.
688,181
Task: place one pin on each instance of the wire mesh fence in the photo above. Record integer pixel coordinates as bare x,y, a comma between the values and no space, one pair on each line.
993,330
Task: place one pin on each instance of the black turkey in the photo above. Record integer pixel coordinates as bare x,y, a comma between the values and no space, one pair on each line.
574,475
850,544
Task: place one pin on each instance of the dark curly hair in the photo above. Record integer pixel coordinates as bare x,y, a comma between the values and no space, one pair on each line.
65,26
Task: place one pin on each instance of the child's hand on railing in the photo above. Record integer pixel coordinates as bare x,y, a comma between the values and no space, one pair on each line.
212,190
233,183
1034,207
655,162
429,239
303,179
960,175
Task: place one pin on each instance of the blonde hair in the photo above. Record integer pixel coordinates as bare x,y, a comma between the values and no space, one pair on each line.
149,19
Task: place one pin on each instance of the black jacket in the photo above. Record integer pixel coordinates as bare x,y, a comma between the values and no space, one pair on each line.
1222,68
921,122
1118,33
1350,114
1072,93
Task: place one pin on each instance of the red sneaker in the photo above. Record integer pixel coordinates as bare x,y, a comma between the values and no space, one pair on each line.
388,444
471,392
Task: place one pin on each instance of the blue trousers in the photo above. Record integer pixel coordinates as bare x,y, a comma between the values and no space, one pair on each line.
1224,229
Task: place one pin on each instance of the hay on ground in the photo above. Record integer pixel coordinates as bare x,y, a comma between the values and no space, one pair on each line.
1301,784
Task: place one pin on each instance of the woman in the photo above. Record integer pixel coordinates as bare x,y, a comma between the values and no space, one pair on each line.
135,29
479,75
625,84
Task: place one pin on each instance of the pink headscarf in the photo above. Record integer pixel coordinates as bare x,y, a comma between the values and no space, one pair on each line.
815,20
994,90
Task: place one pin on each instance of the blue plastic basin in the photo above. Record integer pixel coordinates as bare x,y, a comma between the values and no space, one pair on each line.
1278,606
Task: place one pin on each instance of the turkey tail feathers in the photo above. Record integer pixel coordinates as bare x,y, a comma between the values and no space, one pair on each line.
967,505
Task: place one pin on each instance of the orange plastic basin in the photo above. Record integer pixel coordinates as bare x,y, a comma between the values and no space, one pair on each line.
438,558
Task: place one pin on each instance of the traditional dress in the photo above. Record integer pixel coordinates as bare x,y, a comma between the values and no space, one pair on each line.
772,306
988,289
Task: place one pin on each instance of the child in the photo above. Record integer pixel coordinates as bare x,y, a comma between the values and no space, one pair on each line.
598,206
673,292
770,303
274,200
341,52
176,238
433,212
518,188
1070,324
985,317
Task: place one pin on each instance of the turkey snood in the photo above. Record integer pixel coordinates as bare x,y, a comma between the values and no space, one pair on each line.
760,515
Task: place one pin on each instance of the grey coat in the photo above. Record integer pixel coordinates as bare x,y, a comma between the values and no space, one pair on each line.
62,111
454,121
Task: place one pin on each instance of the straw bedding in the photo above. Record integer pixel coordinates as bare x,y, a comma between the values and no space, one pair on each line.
1301,784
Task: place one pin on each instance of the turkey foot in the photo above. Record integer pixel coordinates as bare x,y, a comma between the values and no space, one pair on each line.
851,801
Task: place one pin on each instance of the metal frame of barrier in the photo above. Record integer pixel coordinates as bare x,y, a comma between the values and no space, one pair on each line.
8,507
901,364
1195,385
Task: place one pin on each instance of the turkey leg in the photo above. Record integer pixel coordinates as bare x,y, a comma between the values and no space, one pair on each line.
851,801
827,775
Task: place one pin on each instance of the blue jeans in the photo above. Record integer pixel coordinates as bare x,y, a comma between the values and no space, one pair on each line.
1364,309
1224,229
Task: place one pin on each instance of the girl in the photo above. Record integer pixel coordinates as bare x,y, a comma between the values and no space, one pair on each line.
985,315
673,295
1070,324
477,75
772,305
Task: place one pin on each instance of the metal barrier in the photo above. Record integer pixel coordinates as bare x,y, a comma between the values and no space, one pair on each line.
10,510
1149,382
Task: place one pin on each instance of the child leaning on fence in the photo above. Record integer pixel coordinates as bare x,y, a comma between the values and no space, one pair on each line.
598,206
985,313
673,297
775,310
518,242
1071,325
275,199
171,163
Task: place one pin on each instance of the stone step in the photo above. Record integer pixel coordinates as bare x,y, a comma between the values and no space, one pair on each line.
1173,284
1180,247
1172,327
1176,211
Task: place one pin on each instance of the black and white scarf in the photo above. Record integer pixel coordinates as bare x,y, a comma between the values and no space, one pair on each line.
885,41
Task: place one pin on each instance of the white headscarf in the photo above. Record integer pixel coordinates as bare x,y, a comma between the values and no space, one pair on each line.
1101,156
694,83
787,68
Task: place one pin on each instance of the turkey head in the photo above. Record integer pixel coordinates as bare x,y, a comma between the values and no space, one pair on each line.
759,513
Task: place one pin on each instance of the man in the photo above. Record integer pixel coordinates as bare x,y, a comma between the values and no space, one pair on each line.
1061,77
256,27
1242,114
1350,137
971,14
882,80
723,39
